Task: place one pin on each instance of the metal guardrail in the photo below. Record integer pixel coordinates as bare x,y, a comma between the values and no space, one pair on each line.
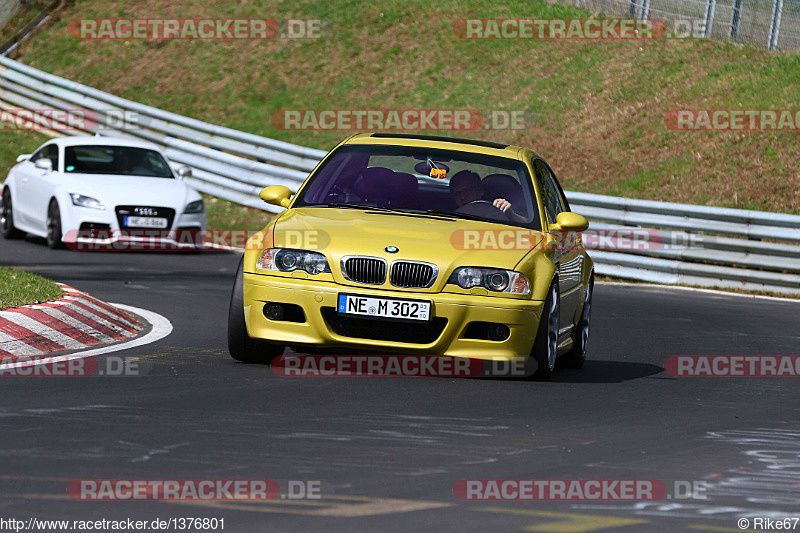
228,163
705,246
700,245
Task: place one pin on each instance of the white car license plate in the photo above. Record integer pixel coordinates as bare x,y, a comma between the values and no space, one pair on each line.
146,222
384,307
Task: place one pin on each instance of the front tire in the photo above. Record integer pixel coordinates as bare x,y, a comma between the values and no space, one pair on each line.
7,217
241,346
54,226
545,348
577,356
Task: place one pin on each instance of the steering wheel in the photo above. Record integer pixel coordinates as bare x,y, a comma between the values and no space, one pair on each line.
483,208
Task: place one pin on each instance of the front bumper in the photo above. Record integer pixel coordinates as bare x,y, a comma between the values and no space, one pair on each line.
319,299
186,233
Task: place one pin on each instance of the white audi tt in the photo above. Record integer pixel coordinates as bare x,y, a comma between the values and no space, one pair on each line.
100,190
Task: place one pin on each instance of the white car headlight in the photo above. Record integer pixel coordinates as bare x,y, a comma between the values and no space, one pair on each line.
288,260
195,207
86,201
494,279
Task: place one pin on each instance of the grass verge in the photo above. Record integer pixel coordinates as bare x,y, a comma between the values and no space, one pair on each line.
19,288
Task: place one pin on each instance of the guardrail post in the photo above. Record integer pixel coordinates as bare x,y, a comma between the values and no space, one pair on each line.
632,8
775,25
709,21
645,9
736,17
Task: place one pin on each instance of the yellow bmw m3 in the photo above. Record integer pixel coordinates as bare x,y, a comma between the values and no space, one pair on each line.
420,245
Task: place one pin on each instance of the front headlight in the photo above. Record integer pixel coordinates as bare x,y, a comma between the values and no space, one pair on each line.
494,279
195,207
288,260
86,201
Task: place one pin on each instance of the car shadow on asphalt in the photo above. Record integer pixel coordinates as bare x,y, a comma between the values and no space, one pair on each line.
606,372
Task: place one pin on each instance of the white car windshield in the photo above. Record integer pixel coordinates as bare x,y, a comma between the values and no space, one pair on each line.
120,160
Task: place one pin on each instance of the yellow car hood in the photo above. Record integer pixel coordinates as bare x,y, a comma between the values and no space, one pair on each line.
340,232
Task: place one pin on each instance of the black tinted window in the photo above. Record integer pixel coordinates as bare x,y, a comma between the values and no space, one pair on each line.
51,153
418,179
121,160
550,191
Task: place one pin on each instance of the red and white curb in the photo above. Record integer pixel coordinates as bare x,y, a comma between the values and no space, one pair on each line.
76,321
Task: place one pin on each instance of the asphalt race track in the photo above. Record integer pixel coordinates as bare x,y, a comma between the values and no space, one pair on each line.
388,451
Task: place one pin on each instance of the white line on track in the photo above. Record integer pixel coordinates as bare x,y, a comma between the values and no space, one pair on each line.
161,328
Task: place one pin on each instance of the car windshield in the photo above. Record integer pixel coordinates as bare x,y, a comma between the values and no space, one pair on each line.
121,160
422,180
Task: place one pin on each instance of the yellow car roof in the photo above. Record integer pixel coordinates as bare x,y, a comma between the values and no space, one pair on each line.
444,143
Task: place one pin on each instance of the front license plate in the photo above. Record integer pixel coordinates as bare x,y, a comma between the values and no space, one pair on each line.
146,222
384,307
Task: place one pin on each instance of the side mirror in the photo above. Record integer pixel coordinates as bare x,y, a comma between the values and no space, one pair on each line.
276,195
23,157
183,172
568,221
44,164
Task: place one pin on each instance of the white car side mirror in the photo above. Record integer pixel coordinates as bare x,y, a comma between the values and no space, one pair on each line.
183,171
44,164
23,157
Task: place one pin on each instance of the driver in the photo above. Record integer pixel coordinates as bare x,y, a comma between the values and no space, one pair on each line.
465,188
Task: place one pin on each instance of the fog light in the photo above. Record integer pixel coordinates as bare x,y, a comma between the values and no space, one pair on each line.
273,311
498,332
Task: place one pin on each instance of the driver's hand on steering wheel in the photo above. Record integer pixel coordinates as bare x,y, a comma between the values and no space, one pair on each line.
505,206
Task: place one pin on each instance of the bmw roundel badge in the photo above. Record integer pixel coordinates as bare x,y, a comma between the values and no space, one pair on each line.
392,249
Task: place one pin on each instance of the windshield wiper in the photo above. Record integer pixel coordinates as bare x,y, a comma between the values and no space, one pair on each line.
456,215
357,206
432,212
